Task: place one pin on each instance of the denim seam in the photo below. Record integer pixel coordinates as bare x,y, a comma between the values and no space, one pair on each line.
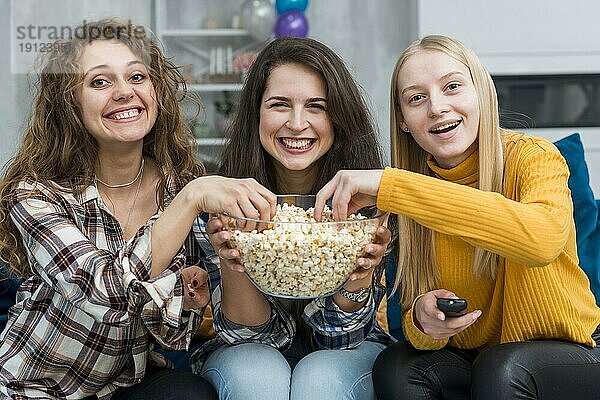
223,386
360,379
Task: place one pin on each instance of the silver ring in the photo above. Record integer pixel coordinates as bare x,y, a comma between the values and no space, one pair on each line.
219,253
370,263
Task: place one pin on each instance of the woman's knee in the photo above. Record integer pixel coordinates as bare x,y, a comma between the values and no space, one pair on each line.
507,366
339,374
403,372
319,369
537,369
168,384
391,370
248,371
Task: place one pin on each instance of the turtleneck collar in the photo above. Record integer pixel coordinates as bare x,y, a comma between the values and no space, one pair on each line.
465,173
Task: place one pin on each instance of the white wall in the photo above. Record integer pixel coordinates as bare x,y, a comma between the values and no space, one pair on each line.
369,36
514,36
9,120
15,102
526,37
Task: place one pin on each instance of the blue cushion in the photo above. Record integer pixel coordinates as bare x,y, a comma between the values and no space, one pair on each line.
585,210
8,291
394,309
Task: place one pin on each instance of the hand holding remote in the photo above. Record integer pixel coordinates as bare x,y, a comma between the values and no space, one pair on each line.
431,319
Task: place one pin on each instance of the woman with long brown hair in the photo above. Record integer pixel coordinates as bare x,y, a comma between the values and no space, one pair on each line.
484,214
96,210
300,119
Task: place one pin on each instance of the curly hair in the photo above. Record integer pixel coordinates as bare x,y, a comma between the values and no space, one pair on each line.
58,150
355,145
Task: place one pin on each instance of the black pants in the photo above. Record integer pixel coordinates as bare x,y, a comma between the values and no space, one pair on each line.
167,384
545,370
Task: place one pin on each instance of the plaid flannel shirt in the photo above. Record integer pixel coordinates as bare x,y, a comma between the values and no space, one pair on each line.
87,319
332,327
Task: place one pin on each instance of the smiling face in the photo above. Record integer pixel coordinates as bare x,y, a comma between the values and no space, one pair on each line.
439,105
117,98
295,128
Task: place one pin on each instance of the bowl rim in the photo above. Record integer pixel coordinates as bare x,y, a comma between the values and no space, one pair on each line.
377,214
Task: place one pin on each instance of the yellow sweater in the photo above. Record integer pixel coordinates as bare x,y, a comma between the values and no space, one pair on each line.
540,291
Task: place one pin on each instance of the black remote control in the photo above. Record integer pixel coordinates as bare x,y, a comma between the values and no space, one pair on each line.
452,307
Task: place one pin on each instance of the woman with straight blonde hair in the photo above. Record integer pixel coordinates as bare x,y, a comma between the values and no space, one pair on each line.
485,215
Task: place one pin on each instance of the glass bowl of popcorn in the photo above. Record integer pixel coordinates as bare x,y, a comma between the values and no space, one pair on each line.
293,256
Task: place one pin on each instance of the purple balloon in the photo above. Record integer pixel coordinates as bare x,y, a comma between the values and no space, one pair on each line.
291,24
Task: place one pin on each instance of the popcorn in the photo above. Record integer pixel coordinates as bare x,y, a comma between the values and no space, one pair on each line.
297,257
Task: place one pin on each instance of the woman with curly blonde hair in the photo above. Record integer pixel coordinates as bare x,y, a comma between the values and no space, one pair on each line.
96,211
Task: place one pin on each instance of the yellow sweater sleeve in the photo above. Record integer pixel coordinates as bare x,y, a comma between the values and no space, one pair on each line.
531,230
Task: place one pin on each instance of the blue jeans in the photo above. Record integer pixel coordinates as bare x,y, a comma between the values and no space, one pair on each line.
255,371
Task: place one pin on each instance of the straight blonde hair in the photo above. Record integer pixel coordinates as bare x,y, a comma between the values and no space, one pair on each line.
417,271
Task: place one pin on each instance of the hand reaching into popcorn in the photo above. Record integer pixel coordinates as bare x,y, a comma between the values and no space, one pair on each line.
349,191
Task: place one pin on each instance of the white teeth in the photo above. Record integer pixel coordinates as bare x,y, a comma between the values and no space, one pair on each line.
449,125
126,114
297,143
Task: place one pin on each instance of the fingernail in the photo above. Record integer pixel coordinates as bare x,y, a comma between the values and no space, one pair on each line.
476,314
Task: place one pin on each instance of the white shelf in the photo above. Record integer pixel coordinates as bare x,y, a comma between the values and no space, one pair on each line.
203,32
196,47
215,87
210,142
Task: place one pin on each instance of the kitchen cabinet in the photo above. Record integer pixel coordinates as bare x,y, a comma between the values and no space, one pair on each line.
205,37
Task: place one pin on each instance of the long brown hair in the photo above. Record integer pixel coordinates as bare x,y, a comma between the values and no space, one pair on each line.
417,268
56,147
355,145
